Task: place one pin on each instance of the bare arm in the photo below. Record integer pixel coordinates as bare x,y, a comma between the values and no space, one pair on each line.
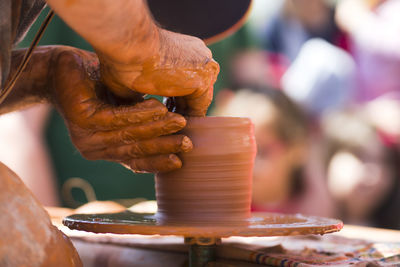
137,135
119,30
136,55
32,85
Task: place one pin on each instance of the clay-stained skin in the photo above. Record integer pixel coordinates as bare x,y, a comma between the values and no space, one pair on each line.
181,68
135,134
27,237
137,55
214,184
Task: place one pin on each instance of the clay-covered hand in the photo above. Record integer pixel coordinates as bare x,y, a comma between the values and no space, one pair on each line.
137,135
180,68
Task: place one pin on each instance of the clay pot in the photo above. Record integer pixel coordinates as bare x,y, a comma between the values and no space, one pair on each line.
214,184
27,237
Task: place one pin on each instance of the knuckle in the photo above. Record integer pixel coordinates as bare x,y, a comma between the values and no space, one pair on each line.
126,137
157,108
156,117
136,149
159,113
153,103
213,66
83,117
163,109
132,151
66,57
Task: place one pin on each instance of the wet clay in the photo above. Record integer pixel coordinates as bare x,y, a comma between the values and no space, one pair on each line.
260,224
214,184
27,237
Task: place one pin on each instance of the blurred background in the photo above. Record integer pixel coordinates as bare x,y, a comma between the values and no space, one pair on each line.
319,78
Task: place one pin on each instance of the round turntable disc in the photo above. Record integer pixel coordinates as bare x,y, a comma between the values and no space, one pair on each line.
260,224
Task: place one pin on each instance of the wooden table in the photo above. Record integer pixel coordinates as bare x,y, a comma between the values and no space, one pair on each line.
135,250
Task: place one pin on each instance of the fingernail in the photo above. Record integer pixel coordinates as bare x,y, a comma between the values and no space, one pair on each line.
175,161
187,144
180,120
177,123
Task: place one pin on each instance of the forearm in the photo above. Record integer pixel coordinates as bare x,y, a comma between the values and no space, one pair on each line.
121,31
32,85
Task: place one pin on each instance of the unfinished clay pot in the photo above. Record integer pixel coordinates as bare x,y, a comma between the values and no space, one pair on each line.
27,237
214,184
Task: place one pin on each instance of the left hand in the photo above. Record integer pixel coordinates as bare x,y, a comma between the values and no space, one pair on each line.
137,135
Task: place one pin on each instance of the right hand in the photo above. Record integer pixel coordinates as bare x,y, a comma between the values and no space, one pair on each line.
181,69
137,135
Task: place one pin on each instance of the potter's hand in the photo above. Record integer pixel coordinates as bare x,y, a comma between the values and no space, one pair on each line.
136,135
136,55
180,68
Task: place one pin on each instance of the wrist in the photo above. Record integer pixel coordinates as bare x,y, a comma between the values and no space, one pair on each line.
32,86
59,57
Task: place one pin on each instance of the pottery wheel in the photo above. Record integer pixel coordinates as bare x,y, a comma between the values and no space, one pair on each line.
209,197
202,237
260,224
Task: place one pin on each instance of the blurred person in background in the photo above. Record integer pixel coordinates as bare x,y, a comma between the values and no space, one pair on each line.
285,178
305,54
362,169
258,68
321,78
298,21
374,30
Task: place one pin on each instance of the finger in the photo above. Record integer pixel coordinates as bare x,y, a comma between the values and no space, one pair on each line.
154,164
169,124
110,117
76,97
170,82
156,146
197,104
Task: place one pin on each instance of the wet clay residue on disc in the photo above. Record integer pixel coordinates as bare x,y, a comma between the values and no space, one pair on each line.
259,224
214,184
